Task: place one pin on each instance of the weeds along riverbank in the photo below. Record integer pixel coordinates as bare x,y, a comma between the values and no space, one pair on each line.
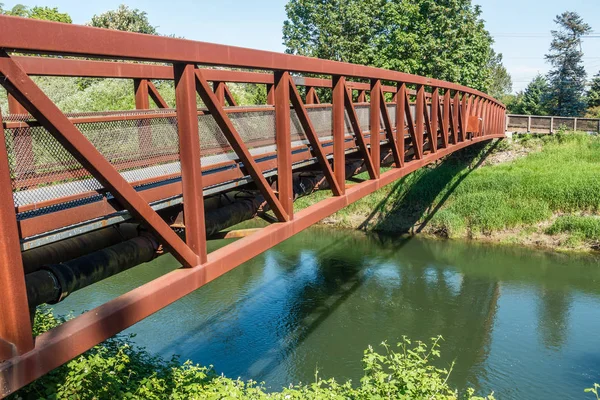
538,191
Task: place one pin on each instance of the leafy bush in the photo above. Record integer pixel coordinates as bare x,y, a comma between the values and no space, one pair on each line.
119,369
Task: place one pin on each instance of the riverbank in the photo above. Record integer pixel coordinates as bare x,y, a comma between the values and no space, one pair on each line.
533,191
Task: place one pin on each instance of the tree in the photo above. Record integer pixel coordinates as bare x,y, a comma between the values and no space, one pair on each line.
501,81
49,14
593,94
37,12
19,10
441,39
534,100
567,78
124,19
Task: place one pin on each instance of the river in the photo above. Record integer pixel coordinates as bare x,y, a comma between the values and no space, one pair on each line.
519,322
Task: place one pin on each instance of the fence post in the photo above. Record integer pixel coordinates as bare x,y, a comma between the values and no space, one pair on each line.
529,124
551,125
574,124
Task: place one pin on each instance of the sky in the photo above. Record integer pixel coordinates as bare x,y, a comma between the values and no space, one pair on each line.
521,29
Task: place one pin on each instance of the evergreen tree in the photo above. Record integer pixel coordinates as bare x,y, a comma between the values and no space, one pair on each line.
444,39
501,83
567,78
534,100
593,95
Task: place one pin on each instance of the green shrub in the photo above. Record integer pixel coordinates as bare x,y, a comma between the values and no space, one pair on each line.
119,369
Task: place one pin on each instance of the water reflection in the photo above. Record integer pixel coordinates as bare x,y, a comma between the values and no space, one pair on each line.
515,321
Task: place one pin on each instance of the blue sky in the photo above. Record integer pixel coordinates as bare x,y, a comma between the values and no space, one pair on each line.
521,28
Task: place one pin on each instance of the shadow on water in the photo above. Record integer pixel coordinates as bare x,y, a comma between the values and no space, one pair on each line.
413,210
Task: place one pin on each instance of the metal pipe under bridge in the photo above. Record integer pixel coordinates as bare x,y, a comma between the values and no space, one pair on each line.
95,193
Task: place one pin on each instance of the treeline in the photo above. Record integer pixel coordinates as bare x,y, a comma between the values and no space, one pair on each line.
563,90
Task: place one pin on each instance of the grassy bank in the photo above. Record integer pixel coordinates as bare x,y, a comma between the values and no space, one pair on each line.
542,191
118,369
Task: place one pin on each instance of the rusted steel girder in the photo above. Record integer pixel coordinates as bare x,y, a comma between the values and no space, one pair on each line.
15,326
23,34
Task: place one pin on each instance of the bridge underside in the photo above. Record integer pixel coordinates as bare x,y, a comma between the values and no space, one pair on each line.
74,174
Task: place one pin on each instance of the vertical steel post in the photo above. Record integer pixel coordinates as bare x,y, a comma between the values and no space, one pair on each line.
270,94
142,99
361,96
283,139
455,117
375,118
419,107
14,107
435,100
189,153
310,95
446,112
219,89
339,131
15,325
142,102
400,112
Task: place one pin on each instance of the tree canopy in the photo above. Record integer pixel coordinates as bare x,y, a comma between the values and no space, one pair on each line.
534,100
37,12
443,39
124,19
593,94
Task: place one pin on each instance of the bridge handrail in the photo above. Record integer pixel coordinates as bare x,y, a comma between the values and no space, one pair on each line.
20,34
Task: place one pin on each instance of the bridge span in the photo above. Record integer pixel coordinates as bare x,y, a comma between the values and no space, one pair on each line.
180,173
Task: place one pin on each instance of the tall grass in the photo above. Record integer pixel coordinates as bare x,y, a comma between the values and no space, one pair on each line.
463,195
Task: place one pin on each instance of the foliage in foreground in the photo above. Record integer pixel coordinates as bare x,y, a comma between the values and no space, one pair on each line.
119,369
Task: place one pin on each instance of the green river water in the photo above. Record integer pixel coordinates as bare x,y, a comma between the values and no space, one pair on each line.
522,323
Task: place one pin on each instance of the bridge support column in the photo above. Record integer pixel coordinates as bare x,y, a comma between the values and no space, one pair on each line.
339,131
283,139
375,119
189,157
15,326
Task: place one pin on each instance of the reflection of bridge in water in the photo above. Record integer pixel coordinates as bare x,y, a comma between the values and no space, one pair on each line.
167,169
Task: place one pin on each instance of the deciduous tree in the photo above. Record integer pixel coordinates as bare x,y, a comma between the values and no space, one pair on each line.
443,39
124,19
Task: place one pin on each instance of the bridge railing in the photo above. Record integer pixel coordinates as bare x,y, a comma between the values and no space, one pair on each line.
415,119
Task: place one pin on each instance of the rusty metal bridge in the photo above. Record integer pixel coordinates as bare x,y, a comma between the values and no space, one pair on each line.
70,181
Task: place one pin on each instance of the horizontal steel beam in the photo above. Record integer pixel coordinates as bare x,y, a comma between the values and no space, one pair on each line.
23,34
